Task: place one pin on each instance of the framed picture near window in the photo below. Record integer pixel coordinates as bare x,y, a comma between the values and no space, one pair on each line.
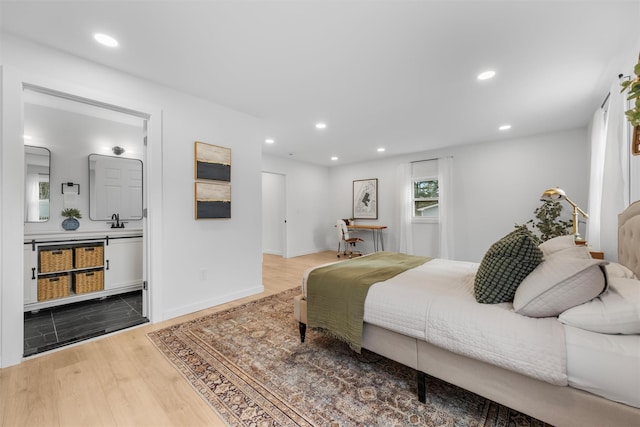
365,199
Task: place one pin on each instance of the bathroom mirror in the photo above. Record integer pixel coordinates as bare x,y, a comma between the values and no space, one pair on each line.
37,170
115,187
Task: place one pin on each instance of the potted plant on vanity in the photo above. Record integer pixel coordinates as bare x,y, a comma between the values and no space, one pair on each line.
71,222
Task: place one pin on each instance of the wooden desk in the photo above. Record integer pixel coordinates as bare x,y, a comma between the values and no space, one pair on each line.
375,229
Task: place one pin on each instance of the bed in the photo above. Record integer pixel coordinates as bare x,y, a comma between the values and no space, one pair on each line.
562,362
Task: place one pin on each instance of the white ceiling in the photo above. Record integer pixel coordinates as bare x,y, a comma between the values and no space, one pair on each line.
393,74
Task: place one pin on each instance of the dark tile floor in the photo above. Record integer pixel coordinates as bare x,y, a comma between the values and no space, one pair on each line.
67,324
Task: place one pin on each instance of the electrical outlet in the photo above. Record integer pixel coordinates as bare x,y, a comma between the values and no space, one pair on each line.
203,274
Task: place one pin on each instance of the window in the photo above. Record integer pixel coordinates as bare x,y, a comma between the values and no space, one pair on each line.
43,197
43,188
425,199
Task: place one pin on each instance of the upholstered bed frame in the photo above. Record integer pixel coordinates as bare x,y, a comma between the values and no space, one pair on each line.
557,405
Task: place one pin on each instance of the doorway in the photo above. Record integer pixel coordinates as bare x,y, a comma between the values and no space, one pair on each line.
274,216
85,139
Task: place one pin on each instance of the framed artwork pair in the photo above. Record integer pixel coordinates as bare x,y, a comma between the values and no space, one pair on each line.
212,186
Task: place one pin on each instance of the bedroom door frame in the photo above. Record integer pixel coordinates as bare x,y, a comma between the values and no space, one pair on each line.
12,195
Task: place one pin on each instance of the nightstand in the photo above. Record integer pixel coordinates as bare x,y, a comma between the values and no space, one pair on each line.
594,254
597,254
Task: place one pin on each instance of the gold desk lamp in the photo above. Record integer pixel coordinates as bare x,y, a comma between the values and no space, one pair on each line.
556,194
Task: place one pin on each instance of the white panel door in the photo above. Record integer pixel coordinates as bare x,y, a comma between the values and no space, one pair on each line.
273,213
118,188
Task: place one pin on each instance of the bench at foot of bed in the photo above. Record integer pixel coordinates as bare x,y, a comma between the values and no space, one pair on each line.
422,377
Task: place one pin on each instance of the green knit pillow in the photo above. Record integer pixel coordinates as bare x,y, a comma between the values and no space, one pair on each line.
505,265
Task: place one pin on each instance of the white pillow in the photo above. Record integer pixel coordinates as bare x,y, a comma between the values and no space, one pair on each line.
615,312
557,284
618,270
557,244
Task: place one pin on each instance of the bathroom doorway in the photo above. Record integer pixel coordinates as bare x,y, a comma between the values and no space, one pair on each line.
76,132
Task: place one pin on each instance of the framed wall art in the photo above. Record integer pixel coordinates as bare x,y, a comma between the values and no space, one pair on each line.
365,199
212,162
212,200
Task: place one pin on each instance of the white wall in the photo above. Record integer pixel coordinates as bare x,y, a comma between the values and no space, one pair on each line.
308,213
203,262
496,184
71,137
11,233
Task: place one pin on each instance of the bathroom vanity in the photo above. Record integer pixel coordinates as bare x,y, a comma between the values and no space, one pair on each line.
60,268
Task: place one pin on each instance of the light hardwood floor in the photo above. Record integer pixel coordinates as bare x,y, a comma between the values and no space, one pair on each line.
122,379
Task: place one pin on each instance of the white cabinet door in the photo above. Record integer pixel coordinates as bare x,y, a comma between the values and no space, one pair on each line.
30,275
123,263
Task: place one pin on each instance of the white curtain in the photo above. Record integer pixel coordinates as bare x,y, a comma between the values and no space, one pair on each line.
403,191
598,140
32,197
613,191
445,201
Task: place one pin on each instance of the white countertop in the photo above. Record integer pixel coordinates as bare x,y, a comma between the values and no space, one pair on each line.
78,234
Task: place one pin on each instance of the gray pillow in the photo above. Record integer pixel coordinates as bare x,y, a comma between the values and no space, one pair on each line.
505,265
558,284
557,244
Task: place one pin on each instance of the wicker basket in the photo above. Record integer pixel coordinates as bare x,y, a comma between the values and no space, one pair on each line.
89,256
52,287
88,281
52,260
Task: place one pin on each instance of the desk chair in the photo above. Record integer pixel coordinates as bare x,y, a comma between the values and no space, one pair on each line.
345,239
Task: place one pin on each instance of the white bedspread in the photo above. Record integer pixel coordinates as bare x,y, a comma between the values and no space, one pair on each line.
603,364
435,303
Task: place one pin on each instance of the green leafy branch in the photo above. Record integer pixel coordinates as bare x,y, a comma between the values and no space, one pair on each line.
633,86
548,224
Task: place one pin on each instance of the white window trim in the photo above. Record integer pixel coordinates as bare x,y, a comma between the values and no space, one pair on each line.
419,219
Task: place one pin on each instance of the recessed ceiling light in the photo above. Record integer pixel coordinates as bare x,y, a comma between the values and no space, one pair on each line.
334,158
269,141
504,127
106,40
321,125
381,149
485,75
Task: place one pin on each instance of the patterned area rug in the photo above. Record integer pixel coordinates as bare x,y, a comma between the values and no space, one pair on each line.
248,363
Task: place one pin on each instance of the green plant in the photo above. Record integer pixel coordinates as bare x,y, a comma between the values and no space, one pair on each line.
547,223
633,86
71,213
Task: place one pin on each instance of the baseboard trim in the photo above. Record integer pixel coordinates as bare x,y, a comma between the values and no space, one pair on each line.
202,305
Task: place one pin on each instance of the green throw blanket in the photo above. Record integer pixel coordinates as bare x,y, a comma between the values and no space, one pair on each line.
336,292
